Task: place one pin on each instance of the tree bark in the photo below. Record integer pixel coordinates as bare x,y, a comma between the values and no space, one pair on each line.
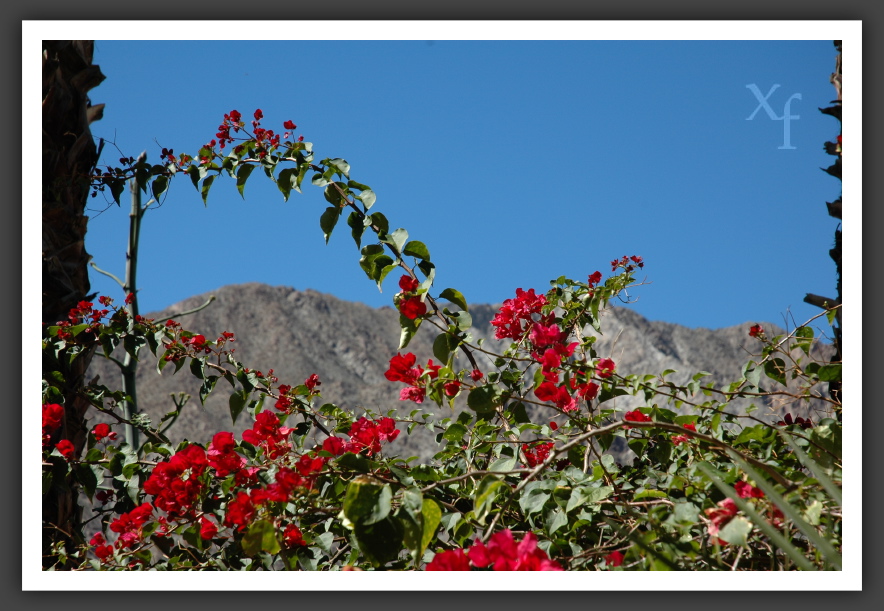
69,159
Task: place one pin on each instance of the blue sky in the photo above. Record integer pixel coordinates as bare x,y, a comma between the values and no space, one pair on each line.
515,162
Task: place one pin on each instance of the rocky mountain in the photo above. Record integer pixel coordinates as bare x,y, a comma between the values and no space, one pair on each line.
349,345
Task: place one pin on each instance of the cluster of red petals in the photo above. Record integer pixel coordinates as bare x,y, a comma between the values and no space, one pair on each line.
197,342
176,484
102,550
627,263
748,491
102,431
755,331
594,278
720,515
292,537
268,434
240,511
788,421
615,558
502,553
129,525
536,454
53,415
514,312
411,306
402,369
208,529
221,455
66,448
550,391
605,368
312,382
365,435
635,416
679,439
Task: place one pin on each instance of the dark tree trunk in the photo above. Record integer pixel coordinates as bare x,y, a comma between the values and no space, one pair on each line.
69,158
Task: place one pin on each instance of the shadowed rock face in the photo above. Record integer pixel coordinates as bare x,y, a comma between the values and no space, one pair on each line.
349,345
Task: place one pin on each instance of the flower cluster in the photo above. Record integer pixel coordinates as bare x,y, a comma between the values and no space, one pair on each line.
402,369
502,553
720,515
756,331
536,454
365,435
627,263
53,416
408,302
514,313
679,439
129,526
267,433
802,422
176,484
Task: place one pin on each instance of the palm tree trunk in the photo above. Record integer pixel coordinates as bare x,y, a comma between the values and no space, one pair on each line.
69,158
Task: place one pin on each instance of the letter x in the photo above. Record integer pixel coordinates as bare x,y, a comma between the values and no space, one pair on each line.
762,102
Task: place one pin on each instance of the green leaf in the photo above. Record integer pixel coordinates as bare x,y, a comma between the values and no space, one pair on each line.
815,468
455,297
204,190
432,515
736,531
367,197
357,227
117,187
443,345
503,464
367,500
483,399
830,372
775,369
328,220
237,402
159,186
380,221
355,462
287,179
242,176
408,329
534,497
462,320
319,180
555,520
260,537
486,495
583,495
341,166
396,239
380,542
416,249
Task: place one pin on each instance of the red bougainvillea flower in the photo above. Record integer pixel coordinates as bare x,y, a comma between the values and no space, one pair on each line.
412,393
102,430
788,421
412,307
334,445
208,529
720,515
289,125
408,284
514,312
605,368
312,382
102,550
451,388
240,511
449,560
748,491
66,448
594,278
221,455
554,425
268,434
615,558
293,537
679,439
130,298
636,416
536,454
130,524
506,555
53,415
402,369
367,434
476,375
176,484
755,331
